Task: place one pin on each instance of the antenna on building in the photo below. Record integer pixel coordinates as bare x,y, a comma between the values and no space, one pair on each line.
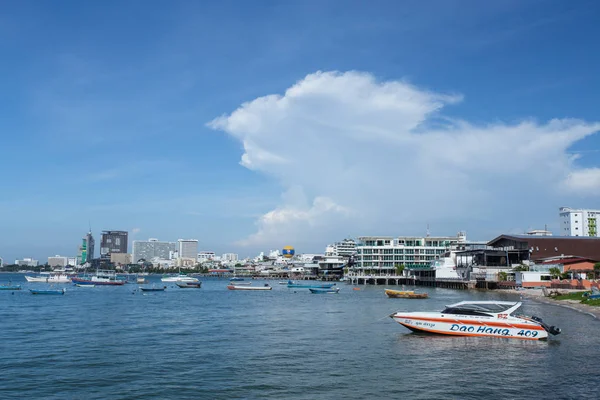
427,229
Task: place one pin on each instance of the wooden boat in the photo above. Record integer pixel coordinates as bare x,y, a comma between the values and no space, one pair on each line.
10,287
189,285
235,287
47,291
405,294
153,289
324,290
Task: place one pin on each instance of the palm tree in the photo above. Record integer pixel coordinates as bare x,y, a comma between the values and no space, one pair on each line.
555,272
399,269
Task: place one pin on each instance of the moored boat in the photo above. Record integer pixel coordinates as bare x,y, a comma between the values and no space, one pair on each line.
310,285
178,278
153,289
237,283
101,278
236,279
405,294
478,318
235,287
324,290
49,277
47,291
10,286
189,285
85,285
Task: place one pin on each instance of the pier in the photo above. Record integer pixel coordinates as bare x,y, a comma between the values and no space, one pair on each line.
411,280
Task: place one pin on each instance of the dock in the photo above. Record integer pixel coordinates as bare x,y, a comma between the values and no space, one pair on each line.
389,280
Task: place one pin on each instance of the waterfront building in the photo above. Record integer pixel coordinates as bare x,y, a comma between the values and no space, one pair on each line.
345,248
120,258
381,254
229,257
112,242
579,222
152,248
537,247
27,262
58,261
86,250
188,248
204,256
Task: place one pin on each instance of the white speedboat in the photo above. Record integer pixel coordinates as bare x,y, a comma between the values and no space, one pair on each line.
179,278
235,287
49,277
477,318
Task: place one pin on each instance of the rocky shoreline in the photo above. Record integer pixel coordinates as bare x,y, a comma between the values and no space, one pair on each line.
537,295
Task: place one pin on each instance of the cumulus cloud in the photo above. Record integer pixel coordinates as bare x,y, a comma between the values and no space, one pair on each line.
355,155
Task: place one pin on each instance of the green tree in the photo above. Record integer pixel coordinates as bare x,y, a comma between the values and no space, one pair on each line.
502,276
555,272
521,267
399,269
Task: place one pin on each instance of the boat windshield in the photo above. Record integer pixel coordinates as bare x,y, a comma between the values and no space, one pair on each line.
477,309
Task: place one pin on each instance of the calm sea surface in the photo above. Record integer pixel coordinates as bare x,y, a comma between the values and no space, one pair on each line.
212,343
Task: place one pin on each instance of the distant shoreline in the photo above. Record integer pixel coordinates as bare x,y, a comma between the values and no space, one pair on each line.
537,295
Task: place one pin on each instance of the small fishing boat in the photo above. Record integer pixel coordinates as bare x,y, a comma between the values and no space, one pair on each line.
236,279
236,287
49,277
100,278
245,283
310,285
85,285
477,318
178,278
324,290
405,294
47,291
9,286
189,285
283,282
153,289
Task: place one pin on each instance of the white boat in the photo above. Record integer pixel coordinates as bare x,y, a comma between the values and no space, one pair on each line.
49,277
84,285
248,283
235,287
477,318
179,278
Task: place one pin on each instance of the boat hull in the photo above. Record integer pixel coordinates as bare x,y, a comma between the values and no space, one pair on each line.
515,328
152,289
308,286
7,287
189,285
47,292
82,281
405,294
324,291
234,287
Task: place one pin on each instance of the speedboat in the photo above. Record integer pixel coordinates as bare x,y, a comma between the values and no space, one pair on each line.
236,287
477,318
189,285
179,278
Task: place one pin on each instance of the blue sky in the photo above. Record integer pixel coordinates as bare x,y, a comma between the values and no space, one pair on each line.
106,110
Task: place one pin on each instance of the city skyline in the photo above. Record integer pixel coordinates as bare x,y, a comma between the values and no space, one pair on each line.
253,126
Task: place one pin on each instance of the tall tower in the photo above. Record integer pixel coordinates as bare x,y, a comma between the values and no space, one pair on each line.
86,250
112,242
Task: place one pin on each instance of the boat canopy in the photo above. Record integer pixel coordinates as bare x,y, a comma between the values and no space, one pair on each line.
482,307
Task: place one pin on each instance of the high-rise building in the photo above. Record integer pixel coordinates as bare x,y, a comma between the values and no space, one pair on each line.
345,248
58,261
188,248
86,250
579,222
152,248
206,256
1,262
112,242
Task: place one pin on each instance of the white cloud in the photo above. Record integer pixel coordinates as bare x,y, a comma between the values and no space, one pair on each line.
355,155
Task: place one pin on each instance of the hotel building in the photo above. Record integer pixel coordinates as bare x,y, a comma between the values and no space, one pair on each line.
152,248
381,254
579,222
345,248
188,248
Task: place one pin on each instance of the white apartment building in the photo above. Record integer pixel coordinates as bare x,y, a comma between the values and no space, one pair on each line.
205,256
58,261
27,262
345,248
579,222
151,249
229,257
381,254
188,248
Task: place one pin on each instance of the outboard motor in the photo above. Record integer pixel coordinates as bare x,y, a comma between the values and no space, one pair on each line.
551,329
